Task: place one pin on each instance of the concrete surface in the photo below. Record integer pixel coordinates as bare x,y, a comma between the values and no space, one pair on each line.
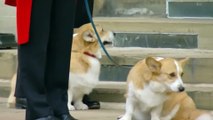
102,114
7,18
108,111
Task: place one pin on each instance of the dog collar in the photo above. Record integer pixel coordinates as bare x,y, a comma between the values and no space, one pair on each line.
89,54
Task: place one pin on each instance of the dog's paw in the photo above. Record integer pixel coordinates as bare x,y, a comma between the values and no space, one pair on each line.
155,118
81,106
71,107
11,105
124,118
11,102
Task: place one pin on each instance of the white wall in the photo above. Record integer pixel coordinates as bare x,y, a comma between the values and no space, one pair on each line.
7,18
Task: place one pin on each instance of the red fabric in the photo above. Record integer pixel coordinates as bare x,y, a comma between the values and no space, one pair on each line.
23,20
23,9
10,2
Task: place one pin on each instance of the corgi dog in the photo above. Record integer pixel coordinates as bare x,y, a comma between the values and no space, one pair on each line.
85,64
179,106
148,84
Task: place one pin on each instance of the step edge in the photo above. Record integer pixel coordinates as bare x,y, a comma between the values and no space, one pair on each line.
151,20
113,105
162,52
121,86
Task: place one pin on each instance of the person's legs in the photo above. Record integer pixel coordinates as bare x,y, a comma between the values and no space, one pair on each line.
32,60
58,55
21,102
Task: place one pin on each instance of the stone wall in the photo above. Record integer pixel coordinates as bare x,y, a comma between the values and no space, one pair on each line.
7,18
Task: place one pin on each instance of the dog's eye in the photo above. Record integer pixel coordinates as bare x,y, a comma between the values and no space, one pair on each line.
182,74
172,74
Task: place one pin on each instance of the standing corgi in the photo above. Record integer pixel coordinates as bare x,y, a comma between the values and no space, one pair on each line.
85,65
149,82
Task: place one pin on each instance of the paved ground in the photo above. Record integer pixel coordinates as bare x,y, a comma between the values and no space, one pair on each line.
102,114
109,111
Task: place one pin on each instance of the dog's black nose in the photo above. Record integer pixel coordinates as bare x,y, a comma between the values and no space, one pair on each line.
181,89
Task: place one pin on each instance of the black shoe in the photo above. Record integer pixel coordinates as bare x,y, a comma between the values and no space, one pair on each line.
21,103
66,117
47,118
91,104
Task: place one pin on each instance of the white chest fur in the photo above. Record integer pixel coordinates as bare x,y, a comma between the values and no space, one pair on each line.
86,81
82,83
147,98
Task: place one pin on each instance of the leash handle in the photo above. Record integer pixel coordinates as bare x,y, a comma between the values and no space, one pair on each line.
99,39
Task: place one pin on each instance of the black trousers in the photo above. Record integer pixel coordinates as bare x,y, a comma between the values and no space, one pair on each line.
81,16
44,62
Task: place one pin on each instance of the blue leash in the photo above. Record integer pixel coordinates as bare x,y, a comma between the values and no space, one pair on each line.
99,39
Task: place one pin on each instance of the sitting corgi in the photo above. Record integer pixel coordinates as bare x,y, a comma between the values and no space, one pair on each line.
149,82
155,92
85,65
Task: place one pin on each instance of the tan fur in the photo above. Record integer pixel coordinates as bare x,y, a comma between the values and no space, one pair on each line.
187,110
85,65
141,73
136,77
78,43
79,62
149,82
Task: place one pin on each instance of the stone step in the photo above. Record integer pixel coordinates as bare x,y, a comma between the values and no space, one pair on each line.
7,40
137,53
202,94
7,18
198,70
156,40
154,8
201,9
8,63
203,28
113,92
133,8
120,87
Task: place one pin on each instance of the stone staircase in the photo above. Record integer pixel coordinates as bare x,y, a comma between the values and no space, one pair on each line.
147,28
163,32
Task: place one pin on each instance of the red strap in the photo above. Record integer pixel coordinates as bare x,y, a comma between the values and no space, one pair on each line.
89,54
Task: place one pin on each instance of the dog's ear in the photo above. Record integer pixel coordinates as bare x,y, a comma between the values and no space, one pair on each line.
183,61
153,65
89,36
